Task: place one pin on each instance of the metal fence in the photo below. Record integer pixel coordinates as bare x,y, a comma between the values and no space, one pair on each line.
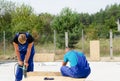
108,47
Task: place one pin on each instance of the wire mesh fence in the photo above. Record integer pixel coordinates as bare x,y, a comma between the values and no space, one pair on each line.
55,43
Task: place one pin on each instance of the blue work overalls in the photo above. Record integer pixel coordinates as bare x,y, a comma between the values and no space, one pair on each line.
23,50
81,70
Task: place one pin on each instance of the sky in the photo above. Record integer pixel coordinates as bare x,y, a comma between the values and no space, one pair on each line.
55,6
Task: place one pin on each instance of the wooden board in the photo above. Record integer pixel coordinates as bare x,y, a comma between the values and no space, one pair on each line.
42,73
44,57
56,78
94,50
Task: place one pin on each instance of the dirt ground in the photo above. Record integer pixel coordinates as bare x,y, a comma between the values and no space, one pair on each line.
7,57
106,59
59,58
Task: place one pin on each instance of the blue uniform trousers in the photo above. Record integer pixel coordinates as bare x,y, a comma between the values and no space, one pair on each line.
81,70
19,71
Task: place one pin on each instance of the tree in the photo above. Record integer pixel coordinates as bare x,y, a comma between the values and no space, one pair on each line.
45,31
67,21
6,8
21,19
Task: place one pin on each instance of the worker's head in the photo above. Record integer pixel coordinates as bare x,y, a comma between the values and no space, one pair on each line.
22,38
67,49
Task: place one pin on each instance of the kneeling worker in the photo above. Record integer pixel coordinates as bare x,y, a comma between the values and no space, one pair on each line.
79,66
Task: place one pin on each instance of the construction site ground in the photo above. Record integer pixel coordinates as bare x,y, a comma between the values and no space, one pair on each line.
107,69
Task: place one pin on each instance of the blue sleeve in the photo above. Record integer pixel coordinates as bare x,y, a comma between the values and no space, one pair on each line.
15,39
30,39
65,59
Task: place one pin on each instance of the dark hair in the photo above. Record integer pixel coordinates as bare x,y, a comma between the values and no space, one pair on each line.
70,46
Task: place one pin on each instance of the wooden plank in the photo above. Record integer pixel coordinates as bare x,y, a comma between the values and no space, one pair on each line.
42,73
56,78
44,57
94,50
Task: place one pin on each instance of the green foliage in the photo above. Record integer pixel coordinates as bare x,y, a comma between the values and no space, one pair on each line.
85,19
67,21
105,20
91,33
21,19
16,18
6,8
45,30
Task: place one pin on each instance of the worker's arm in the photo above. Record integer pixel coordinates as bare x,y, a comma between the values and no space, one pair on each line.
17,53
64,63
28,53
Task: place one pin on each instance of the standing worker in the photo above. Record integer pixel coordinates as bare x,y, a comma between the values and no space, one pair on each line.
24,48
79,66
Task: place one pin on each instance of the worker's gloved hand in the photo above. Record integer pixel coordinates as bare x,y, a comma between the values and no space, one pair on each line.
20,63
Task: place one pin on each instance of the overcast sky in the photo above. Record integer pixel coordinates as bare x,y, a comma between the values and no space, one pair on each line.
55,6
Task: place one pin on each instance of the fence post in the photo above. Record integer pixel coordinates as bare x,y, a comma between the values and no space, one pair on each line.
111,46
82,40
66,39
4,42
54,41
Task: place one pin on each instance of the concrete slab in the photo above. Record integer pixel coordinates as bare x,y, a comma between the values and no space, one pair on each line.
56,78
100,71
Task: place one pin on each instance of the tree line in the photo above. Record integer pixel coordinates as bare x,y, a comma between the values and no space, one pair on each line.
21,18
